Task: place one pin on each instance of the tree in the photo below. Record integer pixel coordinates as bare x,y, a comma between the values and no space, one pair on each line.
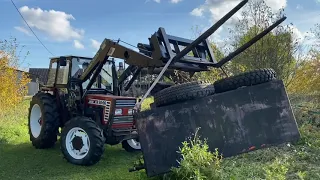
13,86
307,79
316,33
276,50
307,75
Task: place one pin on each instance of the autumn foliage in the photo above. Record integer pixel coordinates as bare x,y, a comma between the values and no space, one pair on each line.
13,86
307,77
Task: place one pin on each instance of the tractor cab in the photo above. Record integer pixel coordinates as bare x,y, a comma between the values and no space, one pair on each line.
65,68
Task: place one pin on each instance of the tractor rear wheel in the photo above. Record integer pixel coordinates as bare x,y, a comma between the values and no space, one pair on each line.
82,141
183,92
43,121
250,78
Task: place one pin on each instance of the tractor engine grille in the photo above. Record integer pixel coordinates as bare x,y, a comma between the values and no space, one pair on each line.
123,117
125,103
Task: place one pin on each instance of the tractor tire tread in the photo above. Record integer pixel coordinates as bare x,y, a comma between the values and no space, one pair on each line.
50,129
249,78
183,92
97,140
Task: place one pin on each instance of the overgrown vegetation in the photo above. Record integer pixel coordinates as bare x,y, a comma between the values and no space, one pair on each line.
197,162
13,86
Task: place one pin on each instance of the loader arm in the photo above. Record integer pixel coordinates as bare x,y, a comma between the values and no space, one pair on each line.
109,48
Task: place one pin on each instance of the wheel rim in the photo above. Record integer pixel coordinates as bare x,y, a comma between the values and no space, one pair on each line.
134,143
77,143
35,120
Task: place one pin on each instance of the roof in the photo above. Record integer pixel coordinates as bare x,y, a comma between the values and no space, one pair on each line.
71,56
40,73
19,70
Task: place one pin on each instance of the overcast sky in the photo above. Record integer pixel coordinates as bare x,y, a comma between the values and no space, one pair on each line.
77,27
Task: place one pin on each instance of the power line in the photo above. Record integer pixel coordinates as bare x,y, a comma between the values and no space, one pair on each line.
31,28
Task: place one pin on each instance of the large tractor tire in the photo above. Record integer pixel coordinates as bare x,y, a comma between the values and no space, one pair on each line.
250,78
183,92
43,121
82,141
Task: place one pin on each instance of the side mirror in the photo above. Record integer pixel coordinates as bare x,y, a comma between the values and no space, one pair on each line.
63,61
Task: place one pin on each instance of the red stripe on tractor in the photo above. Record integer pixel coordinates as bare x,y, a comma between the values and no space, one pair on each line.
124,125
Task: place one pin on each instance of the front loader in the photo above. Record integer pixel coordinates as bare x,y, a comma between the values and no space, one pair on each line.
235,114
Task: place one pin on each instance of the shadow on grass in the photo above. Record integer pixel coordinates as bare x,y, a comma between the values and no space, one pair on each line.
23,161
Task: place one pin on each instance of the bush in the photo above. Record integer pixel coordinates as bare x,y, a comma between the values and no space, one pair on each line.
306,108
197,161
277,170
13,86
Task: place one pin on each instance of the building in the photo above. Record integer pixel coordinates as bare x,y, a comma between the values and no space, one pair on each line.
38,77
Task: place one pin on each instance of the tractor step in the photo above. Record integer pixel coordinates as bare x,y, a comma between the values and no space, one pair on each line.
235,122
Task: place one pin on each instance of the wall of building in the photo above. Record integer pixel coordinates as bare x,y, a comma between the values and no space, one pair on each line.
33,88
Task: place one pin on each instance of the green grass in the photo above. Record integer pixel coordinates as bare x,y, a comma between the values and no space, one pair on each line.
301,158
20,160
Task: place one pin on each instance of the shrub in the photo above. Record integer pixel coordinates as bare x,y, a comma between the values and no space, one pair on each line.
197,161
13,86
277,170
306,108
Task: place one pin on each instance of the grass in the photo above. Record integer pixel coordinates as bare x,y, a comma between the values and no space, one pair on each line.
301,159
20,160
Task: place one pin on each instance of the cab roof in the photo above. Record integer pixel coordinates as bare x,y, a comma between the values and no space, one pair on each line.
72,56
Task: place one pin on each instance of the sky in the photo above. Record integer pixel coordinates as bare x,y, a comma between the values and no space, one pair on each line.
76,27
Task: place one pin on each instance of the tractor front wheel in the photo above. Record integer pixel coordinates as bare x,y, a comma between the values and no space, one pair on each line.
82,141
131,145
43,121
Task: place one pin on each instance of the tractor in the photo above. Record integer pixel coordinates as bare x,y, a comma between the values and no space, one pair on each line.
85,98
71,97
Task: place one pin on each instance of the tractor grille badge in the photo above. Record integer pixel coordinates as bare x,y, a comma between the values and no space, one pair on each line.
105,104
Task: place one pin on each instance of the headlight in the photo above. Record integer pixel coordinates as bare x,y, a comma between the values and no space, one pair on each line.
118,112
130,111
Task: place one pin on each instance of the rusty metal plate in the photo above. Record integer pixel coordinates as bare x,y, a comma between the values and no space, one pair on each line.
234,121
